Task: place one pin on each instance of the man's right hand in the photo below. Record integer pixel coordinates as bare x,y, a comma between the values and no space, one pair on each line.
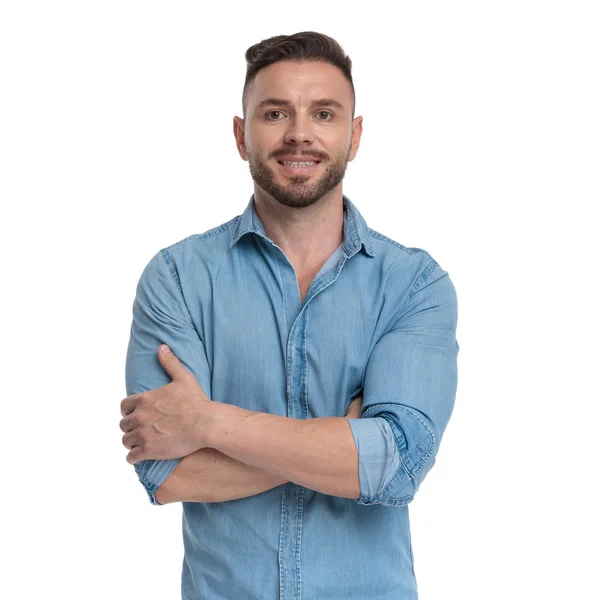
355,408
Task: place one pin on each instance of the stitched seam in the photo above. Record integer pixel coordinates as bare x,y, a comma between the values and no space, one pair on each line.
379,498
403,468
397,435
408,410
384,238
361,230
399,501
419,281
203,236
282,297
353,228
299,540
393,501
305,367
167,258
171,267
149,485
253,227
423,276
150,488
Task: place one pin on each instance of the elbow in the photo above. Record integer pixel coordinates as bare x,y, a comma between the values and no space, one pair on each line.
175,488
166,494
156,476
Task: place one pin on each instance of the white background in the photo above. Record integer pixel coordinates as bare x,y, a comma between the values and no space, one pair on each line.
480,145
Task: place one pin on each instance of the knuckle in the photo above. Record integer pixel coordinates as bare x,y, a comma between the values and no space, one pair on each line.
143,437
147,399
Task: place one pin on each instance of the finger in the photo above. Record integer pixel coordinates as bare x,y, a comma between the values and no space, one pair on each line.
129,404
127,424
131,440
172,365
134,456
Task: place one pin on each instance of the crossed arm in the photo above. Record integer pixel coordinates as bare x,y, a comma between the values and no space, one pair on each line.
208,475
259,451
212,470
409,387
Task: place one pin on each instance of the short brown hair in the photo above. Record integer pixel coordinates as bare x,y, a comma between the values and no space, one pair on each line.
305,46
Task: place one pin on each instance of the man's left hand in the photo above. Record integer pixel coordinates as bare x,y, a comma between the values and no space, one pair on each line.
170,421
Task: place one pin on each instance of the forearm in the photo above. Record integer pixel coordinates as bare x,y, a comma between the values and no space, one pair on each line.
319,454
208,475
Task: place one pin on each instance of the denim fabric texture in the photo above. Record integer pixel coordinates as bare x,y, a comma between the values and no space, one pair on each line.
379,320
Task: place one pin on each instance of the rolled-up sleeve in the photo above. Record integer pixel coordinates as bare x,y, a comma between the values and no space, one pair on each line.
408,392
160,316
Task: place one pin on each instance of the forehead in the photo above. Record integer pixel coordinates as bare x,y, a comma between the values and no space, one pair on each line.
300,82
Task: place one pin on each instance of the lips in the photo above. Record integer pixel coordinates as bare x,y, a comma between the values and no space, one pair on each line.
297,167
298,163
281,156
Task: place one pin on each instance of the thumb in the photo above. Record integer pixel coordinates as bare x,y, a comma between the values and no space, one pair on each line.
171,364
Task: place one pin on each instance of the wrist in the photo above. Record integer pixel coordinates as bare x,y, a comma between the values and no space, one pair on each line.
224,421
215,418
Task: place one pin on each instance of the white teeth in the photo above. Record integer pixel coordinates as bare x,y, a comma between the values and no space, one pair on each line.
289,163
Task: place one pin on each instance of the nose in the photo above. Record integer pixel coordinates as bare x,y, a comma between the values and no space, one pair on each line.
299,131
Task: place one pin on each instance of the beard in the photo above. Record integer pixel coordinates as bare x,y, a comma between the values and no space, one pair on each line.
299,191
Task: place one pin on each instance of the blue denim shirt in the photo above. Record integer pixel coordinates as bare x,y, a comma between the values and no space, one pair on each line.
379,320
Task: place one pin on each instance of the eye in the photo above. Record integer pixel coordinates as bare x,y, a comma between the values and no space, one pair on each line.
324,115
274,115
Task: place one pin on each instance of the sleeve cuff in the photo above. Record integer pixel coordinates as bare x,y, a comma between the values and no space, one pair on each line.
378,457
152,474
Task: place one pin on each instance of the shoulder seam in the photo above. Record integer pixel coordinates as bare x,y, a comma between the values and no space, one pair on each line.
431,266
384,238
206,235
169,261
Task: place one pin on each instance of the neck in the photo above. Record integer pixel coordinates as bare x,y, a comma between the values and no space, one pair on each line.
307,235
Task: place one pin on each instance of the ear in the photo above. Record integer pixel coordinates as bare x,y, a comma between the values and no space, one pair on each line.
240,136
356,133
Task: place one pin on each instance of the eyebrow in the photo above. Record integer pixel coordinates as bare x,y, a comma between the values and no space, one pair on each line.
280,102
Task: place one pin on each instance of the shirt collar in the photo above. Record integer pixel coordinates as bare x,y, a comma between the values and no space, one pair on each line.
356,232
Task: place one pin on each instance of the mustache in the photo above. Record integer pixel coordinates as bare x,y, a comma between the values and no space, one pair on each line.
316,155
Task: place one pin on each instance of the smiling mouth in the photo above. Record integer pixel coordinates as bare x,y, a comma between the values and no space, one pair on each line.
301,164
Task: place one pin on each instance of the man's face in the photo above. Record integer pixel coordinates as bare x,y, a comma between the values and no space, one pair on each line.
298,135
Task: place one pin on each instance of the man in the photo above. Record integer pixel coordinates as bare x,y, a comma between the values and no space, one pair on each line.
276,324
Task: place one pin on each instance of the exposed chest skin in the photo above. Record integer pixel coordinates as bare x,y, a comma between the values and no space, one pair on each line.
304,280
306,274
